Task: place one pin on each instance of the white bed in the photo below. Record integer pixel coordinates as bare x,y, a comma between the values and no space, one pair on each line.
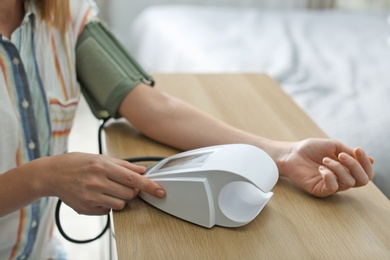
334,64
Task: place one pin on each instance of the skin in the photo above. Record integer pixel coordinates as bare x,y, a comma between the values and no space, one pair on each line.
95,184
11,15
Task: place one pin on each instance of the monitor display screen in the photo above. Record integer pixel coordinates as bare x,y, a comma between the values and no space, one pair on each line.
189,161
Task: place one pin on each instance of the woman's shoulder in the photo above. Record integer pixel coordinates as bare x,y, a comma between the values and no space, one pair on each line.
81,12
83,9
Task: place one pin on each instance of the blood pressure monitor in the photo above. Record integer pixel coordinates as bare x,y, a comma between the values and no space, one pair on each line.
226,185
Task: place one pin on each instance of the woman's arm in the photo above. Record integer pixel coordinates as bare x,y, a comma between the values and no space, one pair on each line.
319,166
90,184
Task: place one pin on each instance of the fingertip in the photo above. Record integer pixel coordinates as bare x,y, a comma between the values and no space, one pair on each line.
160,193
343,156
140,169
322,169
329,178
326,161
365,160
371,159
358,152
121,206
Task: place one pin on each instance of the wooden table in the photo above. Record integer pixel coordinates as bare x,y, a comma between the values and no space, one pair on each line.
354,224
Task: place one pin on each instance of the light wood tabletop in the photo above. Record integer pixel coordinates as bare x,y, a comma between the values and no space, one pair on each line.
353,224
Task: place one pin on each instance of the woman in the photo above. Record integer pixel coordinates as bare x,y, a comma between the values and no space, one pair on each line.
39,93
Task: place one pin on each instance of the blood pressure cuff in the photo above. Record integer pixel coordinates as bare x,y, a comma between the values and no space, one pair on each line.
105,70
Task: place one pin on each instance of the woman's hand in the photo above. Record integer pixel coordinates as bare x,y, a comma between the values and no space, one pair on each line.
94,184
323,167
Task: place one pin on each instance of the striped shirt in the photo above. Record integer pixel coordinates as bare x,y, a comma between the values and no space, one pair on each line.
39,94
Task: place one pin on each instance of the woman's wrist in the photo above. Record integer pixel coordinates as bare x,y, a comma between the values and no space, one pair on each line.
279,152
22,186
41,184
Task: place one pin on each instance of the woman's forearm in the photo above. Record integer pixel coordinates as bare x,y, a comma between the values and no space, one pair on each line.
319,166
19,187
176,123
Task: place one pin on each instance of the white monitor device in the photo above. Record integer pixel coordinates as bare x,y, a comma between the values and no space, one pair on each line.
226,185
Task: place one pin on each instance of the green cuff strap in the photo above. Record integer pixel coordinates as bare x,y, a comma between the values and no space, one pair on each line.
105,70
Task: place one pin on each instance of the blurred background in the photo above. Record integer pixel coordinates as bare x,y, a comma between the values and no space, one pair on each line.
119,14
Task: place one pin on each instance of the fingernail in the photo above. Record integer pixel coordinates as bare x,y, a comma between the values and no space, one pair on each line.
342,156
359,153
326,160
160,193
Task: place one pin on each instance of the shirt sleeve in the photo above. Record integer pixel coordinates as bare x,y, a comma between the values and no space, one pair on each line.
82,12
